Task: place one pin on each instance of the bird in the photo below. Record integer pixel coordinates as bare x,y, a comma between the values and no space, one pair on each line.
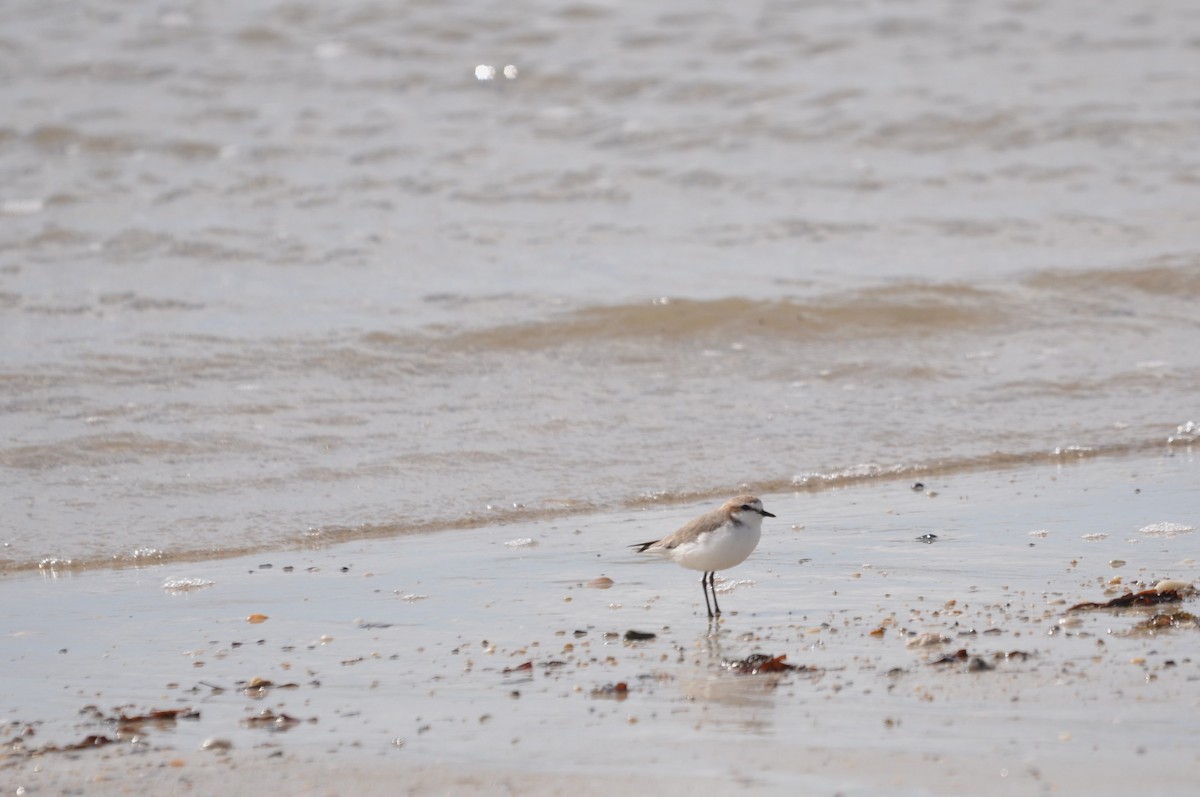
716,540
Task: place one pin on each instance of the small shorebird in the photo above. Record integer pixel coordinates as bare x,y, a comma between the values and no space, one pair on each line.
716,540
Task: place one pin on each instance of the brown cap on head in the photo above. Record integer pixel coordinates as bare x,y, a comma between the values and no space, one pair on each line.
746,503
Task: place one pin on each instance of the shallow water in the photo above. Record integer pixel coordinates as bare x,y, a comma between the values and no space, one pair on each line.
284,274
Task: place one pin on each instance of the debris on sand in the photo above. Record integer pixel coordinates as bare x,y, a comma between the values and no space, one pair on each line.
258,687
126,725
757,663
163,715
371,624
976,664
273,722
927,640
89,742
617,691
957,656
979,663
16,747
524,667
1148,597
1164,622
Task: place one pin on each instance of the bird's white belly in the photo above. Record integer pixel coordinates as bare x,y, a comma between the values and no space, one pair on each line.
718,550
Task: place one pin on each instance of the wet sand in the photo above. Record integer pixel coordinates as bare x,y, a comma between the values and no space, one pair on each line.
483,661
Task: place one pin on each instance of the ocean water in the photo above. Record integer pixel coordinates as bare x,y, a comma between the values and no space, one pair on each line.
283,273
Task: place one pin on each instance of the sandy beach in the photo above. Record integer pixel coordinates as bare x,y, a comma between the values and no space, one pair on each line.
491,661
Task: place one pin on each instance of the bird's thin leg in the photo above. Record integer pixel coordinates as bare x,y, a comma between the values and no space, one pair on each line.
704,586
712,583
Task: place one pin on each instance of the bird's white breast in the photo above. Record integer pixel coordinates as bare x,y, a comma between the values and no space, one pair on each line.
720,549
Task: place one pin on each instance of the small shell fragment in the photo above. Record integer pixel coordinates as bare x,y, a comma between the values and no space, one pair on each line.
926,640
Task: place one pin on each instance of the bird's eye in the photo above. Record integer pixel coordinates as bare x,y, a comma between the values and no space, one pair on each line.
747,507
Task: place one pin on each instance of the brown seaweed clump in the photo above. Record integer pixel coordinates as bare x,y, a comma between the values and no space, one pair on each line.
1148,597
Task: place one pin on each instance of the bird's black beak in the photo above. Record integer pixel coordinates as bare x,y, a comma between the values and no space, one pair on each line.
765,513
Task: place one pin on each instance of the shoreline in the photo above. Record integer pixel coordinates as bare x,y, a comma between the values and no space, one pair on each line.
402,660
565,511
